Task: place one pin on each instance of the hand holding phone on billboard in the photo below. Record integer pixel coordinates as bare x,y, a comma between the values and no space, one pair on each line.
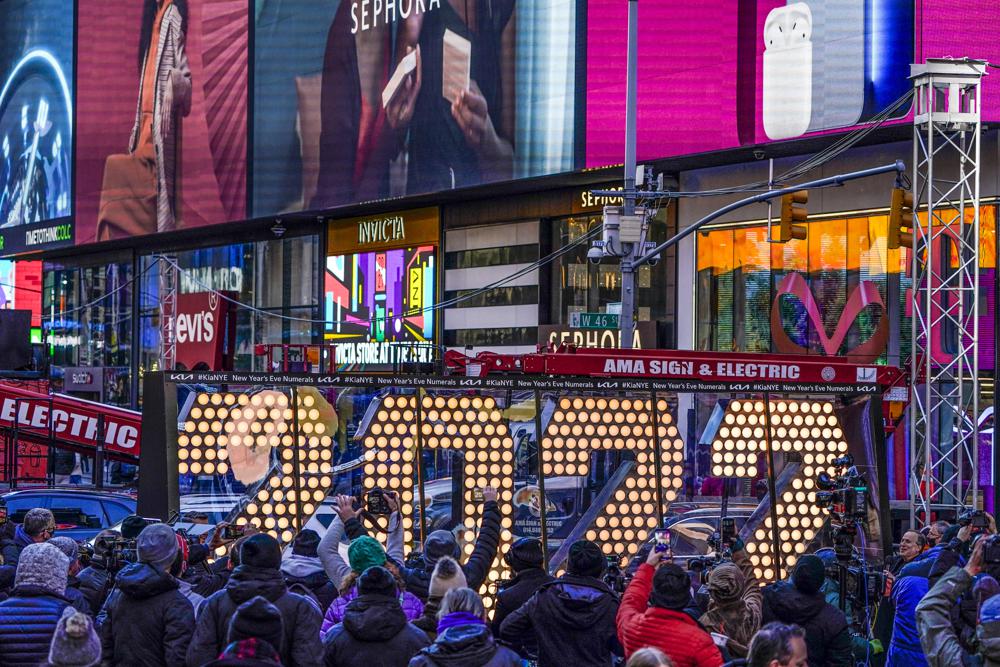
399,97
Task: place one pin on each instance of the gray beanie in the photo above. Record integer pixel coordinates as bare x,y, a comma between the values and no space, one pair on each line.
44,566
68,546
75,642
157,545
440,543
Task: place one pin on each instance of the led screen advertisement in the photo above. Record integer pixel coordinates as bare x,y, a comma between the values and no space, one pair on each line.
379,307
36,124
744,72
162,116
367,99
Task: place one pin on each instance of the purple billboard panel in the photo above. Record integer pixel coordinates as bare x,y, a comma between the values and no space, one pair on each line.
745,72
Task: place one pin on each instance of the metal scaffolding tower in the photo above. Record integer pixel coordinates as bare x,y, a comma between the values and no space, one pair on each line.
944,410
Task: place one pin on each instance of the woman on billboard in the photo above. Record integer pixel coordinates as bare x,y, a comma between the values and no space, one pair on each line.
138,194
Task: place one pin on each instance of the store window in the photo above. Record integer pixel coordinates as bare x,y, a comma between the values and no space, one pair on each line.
87,321
580,286
226,300
828,293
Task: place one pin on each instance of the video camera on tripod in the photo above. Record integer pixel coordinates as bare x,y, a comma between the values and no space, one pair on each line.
846,495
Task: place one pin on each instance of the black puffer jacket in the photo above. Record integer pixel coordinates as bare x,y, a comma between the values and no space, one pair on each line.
145,620
510,598
466,646
827,638
573,620
76,597
374,632
300,615
308,572
95,584
27,622
418,578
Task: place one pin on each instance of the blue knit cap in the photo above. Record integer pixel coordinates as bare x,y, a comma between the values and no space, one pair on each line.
990,611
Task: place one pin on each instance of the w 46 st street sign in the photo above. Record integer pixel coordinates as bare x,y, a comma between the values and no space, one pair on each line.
593,321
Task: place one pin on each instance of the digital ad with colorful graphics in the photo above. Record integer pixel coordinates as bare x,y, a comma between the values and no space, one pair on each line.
36,124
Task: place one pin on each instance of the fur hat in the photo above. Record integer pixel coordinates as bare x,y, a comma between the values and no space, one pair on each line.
447,575
257,619
75,642
43,565
157,545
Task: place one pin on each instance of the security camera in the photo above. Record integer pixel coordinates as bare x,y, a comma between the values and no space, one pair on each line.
654,260
278,229
595,255
759,154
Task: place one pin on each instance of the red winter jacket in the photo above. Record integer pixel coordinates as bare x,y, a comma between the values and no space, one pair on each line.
673,632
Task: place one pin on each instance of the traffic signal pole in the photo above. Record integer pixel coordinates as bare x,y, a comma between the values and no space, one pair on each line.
626,321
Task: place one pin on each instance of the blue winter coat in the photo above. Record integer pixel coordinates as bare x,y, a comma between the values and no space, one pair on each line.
27,622
908,589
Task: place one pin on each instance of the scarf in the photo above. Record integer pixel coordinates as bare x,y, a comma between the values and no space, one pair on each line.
457,618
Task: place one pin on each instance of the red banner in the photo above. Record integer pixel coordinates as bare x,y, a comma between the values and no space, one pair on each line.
71,420
201,321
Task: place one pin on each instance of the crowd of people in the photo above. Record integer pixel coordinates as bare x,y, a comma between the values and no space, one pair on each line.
348,600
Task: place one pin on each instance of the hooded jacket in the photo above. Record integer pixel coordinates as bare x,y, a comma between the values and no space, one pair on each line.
308,572
412,607
827,638
910,586
146,620
301,617
466,646
375,631
674,632
27,622
937,634
12,548
573,621
738,618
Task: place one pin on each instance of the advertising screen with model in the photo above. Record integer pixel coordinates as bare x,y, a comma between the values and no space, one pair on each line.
162,116
36,123
355,101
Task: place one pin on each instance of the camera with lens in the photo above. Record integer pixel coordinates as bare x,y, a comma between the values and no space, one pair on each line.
846,495
123,552
991,555
376,503
702,566
976,520
614,578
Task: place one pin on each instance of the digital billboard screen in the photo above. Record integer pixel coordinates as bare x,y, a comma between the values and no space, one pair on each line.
162,116
742,72
369,99
380,307
36,124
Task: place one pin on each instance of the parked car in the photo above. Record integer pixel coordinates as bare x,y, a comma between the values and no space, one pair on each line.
79,513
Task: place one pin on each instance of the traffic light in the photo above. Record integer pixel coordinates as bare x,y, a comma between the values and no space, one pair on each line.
900,219
793,211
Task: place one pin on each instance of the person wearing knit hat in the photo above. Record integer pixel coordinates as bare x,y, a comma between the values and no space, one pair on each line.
375,630
147,620
572,618
801,602
71,549
440,543
363,553
75,642
304,568
734,606
259,619
526,560
259,575
28,618
247,653
447,575
652,613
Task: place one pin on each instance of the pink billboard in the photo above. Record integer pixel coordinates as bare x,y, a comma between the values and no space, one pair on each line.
746,72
